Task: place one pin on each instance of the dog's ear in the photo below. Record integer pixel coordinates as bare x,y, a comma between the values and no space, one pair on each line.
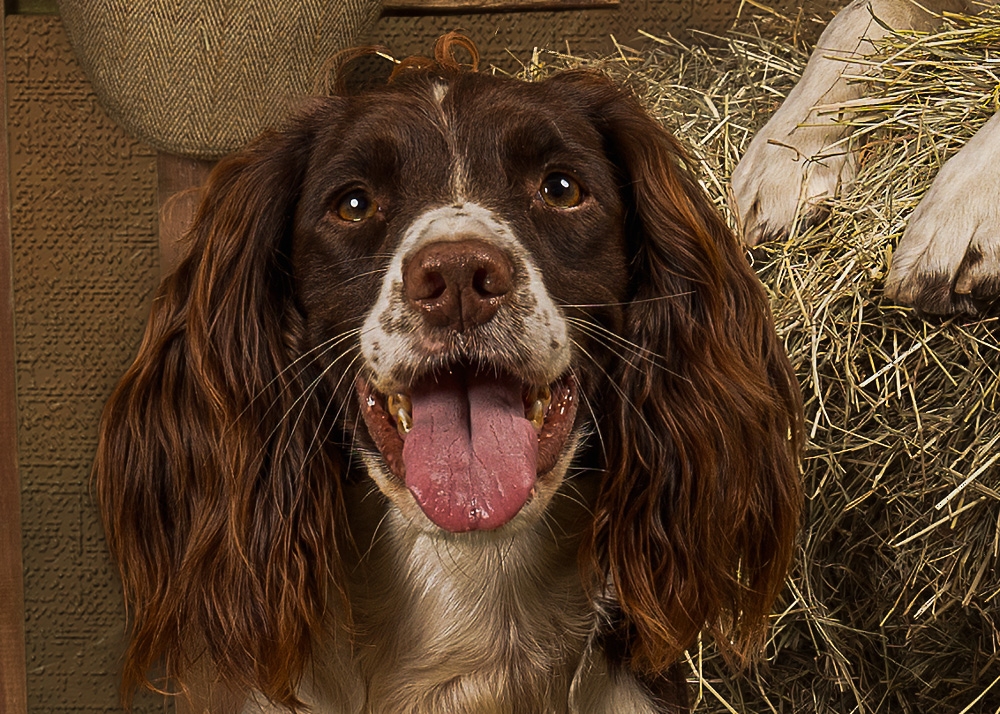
219,498
701,499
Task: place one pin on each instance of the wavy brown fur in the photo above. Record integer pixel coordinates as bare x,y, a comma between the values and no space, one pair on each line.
218,515
705,437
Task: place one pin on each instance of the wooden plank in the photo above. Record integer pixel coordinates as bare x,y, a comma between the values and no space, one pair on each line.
13,683
449,7
178,181
31,7
394,7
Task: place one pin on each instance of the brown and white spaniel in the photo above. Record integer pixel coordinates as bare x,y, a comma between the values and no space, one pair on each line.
464,399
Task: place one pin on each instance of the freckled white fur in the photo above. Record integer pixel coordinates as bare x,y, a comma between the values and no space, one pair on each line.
597,690
802,156
541,335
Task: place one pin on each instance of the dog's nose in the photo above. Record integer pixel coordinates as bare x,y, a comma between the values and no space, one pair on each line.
457,284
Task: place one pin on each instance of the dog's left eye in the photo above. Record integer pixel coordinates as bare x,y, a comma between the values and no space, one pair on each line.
560,190
356,205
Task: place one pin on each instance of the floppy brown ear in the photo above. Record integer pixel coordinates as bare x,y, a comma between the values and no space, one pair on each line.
218,493
701,499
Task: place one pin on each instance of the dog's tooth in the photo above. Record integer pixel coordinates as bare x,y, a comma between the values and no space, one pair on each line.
400,407
536,414
404,422
540,394
398,401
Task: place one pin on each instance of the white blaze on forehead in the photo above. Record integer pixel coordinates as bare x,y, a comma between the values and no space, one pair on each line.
458,181
543,335
439,91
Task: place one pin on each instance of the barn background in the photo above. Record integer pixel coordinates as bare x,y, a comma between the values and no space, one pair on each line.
80,253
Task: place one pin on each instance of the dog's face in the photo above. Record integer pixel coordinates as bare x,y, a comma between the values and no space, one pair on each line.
464,222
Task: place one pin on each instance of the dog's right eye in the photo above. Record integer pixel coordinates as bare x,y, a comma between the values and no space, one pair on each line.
561,190
356,205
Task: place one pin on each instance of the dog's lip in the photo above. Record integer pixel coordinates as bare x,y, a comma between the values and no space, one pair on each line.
560,418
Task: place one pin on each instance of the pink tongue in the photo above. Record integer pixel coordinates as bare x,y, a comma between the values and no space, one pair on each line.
471,454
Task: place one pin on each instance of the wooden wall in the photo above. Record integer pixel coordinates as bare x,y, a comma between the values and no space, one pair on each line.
84,257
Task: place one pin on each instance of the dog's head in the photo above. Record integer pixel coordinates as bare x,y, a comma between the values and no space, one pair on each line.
467,282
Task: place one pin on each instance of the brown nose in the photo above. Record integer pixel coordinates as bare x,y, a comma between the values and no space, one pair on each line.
457,284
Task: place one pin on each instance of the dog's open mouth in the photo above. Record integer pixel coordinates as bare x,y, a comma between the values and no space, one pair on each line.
469,444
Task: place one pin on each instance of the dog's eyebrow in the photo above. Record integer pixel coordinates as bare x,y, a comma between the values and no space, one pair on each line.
377,145
531,146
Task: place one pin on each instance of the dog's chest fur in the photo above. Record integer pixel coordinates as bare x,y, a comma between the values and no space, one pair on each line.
444,626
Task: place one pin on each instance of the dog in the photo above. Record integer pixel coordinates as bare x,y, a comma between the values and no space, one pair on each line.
464,399
948,260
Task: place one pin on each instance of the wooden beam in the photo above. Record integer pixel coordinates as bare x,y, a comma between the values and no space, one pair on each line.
463,7
13,682
178,188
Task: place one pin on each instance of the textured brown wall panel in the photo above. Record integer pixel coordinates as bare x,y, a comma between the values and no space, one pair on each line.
83,231
13,697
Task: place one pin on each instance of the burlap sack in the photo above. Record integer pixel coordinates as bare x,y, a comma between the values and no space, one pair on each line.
202,78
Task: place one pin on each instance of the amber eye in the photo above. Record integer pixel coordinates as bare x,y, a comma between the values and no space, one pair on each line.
356,206
561,190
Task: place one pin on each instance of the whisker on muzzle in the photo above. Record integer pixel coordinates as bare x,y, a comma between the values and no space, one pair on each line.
611,340
611,380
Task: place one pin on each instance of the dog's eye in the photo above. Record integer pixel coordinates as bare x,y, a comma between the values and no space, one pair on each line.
356,206
561,190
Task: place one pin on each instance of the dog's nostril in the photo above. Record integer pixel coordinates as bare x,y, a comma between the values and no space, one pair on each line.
488,283
432,287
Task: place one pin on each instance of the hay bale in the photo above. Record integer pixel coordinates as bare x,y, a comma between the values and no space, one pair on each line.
892,604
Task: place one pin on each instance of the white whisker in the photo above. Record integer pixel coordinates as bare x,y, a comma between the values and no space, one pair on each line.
628,302
618,389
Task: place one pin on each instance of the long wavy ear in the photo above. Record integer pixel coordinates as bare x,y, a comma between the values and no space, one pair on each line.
701,499
218,498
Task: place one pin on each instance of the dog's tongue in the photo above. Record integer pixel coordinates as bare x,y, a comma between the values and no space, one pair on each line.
471,455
